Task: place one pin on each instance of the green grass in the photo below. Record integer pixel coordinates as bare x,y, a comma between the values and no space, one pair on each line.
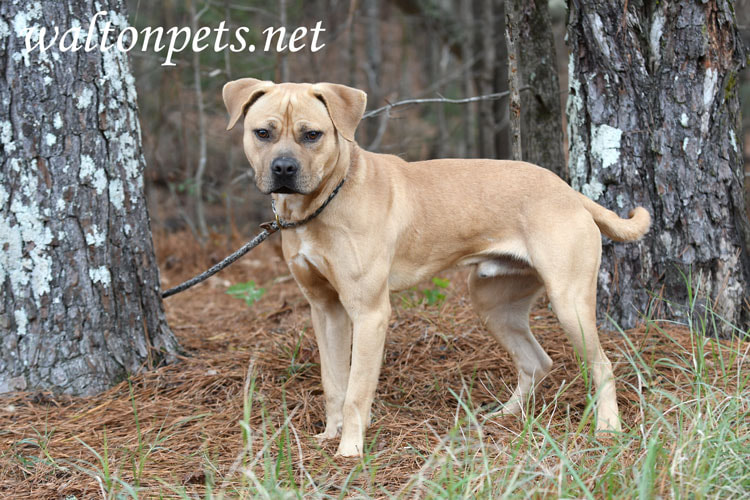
690,440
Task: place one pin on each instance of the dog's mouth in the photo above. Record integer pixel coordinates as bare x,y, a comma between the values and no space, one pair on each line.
285,190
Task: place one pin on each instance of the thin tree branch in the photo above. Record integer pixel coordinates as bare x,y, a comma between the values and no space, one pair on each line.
408,102
254,10
203,10
375,144
202,145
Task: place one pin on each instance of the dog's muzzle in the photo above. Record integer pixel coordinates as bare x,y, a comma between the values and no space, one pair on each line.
284,172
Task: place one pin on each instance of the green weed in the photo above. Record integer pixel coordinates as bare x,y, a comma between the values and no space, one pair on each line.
249,292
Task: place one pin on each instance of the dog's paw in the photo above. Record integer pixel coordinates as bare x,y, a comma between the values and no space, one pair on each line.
328,434
510,408
608,425
349,450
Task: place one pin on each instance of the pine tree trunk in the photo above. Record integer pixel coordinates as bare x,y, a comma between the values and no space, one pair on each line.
654,120
79,286
374,63
469,147
514,76
541,116
499,107
485,77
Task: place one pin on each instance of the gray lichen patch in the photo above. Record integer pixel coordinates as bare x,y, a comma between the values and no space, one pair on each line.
94,237
26,236
100,275
655,34
28,20
605,144
85,99
6,137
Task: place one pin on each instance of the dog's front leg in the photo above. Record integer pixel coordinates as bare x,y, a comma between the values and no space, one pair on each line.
370,324
333,332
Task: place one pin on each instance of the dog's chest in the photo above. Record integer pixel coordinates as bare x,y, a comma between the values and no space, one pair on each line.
306,259
305,256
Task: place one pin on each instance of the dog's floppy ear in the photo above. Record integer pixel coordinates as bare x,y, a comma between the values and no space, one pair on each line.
345,106
240,94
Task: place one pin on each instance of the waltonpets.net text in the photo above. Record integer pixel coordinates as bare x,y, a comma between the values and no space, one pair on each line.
174,40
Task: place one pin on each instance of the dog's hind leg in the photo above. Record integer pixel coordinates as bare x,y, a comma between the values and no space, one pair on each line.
570,277
503,303
576,310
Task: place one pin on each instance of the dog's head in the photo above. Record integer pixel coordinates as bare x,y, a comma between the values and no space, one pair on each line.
293,131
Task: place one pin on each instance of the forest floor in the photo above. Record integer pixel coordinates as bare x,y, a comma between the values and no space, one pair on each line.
236,415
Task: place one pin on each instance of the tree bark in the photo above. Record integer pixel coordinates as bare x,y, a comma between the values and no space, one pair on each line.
500,107
468,148
541,116
373,65
79,285
200,169
654,120
514,86
485,77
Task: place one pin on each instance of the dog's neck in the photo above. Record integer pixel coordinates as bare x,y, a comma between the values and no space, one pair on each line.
296,207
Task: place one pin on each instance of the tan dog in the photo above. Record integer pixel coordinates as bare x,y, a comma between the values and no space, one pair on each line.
519,227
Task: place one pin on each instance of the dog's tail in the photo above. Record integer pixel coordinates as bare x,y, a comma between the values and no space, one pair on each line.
615,227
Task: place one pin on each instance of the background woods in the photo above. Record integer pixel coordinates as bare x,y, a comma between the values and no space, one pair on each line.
675,153
392,49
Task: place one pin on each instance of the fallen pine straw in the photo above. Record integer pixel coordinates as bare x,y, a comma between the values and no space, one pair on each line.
188,413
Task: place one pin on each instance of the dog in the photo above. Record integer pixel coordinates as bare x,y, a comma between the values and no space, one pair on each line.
389,224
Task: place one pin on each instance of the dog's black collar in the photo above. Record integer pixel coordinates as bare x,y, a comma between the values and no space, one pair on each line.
280,223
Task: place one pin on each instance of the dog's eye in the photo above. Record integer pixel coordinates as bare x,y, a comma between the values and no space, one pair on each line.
262,133
313,135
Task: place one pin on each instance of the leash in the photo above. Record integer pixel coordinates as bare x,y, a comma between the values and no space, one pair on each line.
268,229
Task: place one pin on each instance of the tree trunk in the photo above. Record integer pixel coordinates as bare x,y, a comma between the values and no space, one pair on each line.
499,107
514,87
654,120
469,147
373,65
79,285
200,169
541,116
485,76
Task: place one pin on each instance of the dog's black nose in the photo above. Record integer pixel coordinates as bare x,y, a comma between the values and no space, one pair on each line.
284,167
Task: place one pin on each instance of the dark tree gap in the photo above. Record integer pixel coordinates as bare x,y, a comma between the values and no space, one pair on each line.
541,116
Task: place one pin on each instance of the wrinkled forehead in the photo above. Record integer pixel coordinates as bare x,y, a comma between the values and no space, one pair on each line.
290,103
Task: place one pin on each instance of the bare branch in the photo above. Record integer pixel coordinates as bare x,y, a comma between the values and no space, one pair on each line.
429,100
375,144
203,10
254,10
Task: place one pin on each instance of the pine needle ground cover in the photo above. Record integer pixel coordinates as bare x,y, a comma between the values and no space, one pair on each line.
235,417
